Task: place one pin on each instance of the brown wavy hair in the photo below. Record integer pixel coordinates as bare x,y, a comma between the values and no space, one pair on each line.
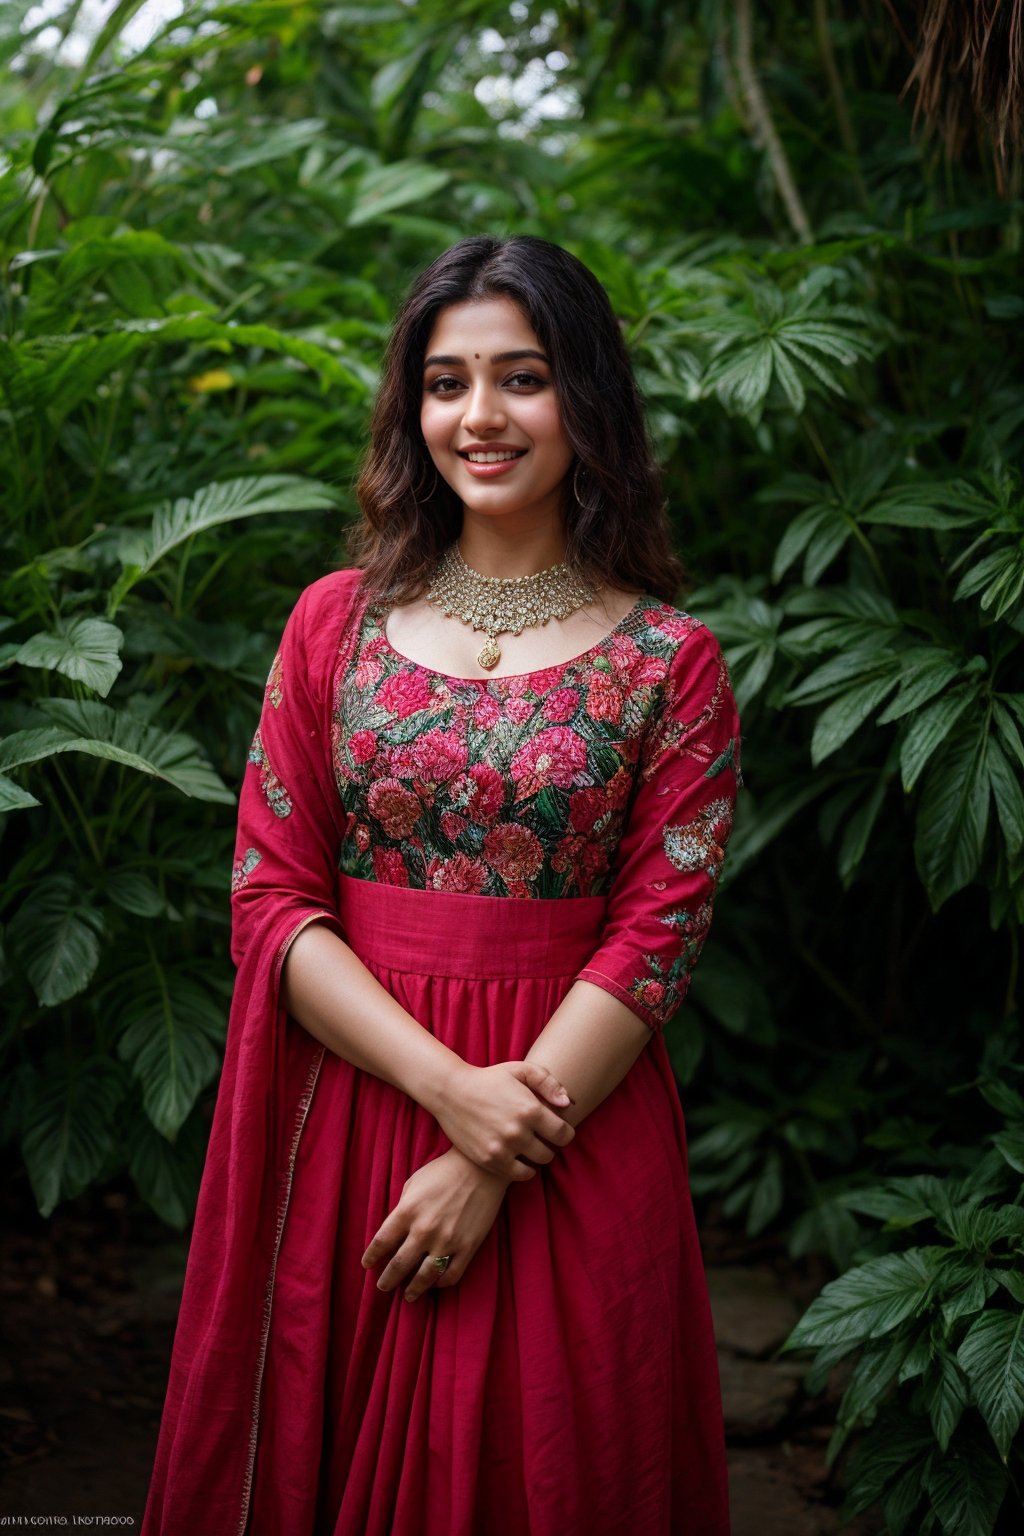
618,533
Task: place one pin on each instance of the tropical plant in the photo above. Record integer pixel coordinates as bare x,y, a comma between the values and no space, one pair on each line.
936,1325
203,233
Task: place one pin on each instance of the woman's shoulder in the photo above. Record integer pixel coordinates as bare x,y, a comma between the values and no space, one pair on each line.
329,594
677,634
319,618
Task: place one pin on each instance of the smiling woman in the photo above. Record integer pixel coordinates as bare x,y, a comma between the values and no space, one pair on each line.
470,889
494,428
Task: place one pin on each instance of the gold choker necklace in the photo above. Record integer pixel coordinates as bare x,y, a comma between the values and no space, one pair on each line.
502,605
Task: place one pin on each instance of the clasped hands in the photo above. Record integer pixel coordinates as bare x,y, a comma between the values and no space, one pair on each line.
494,1117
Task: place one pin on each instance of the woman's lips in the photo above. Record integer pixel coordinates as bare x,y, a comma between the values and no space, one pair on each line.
490,471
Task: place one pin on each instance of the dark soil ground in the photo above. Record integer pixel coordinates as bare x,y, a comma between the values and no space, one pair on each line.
88,1302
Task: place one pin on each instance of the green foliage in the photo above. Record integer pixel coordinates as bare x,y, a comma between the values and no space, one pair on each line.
936,1325
203,237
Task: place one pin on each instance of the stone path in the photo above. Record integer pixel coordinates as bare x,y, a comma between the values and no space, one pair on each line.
88,1303
779,1483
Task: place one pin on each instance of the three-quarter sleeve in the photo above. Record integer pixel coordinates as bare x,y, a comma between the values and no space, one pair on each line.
290,819
671,851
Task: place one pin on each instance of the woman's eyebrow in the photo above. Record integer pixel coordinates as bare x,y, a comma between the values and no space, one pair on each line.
499,357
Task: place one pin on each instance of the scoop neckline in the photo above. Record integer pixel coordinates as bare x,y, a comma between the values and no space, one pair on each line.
506,677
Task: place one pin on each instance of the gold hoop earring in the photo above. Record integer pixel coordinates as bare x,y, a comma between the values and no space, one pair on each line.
418,492
580,499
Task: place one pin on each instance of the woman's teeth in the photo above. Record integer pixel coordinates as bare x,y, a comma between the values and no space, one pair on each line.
491,458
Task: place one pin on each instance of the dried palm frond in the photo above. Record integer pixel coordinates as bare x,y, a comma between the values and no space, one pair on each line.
969,67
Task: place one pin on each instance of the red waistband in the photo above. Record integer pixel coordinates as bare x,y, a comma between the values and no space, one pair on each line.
448,933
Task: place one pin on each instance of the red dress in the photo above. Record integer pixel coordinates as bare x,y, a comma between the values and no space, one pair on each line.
480,844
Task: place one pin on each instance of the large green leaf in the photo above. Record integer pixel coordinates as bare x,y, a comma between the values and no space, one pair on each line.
395,185
946,1391
167,1173
992,1355
967,1485
869,1383
85,651
953,815
173,1029
898,1443
68,1125
56,373
868,1301
924,672
101,731
929,729
222,502
845,715
55,935
13,797
1008,796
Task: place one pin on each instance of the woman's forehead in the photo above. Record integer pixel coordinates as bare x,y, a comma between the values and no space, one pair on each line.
481,326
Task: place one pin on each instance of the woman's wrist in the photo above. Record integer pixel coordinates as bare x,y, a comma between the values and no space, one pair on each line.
496,1180
439,1088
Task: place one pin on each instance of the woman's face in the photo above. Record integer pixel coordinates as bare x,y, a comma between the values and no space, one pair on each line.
487,390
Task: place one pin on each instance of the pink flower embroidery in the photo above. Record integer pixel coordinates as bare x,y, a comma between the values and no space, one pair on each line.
367,670
649,672
389,867
604,699
480,792
486,713
550,677
404,693
554,756
519,710
514,851
586,808
453,825
650,993
395,807
438,755
624,653
618,788
458,873
561,705
363,746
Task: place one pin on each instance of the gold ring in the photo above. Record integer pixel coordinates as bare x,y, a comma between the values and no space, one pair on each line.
443,1262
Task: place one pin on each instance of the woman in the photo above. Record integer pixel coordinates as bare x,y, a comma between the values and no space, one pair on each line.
479,835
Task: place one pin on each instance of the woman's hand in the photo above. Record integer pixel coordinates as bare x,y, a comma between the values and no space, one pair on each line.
447,1206
496,1115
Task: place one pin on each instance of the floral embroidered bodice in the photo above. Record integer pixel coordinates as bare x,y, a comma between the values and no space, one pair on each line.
505,786
612,775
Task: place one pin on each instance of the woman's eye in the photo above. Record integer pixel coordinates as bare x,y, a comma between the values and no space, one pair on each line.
448,384
435,386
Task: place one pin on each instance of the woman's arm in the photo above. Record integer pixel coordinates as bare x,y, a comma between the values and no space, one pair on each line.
590,1042
660,904
492,1114
450,1204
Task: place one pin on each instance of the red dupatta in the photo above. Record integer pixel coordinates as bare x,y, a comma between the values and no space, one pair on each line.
290,825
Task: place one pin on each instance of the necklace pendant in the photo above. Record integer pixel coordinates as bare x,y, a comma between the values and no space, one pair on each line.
490,653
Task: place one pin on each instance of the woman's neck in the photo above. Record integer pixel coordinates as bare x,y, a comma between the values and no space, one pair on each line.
497,548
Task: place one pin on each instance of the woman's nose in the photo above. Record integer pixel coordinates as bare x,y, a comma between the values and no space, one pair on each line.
483,409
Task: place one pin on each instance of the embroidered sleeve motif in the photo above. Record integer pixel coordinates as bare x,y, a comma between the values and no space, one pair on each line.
276,795
243,868
663,987
275,682
699,845
673,850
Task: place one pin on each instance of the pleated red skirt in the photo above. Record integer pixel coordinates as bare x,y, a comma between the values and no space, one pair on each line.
568,1384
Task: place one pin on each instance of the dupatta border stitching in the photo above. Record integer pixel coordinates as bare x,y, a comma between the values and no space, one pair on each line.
342,657
305,1099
